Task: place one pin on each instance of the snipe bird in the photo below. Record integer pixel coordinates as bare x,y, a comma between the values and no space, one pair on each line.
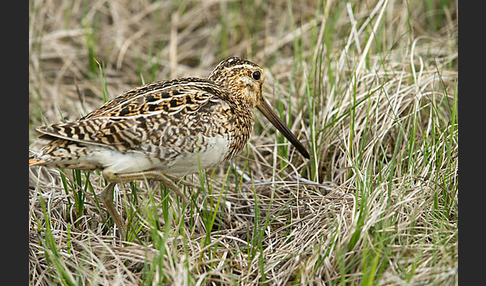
164,130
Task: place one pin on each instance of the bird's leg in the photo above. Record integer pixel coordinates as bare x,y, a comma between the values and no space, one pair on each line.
152,174
106,197
107,193
183,182
168,183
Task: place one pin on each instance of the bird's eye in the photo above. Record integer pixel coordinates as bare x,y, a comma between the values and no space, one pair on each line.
256,75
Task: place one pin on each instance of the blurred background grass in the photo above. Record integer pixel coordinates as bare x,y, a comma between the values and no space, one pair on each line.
370,87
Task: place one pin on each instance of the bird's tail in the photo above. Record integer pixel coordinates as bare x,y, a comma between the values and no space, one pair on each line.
34,161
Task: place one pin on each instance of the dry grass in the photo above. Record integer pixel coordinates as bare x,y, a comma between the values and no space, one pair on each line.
370,87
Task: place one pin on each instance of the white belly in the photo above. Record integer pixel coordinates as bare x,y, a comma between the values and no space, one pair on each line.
214,151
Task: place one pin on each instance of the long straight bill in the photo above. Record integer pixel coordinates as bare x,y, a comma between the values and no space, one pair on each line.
265,108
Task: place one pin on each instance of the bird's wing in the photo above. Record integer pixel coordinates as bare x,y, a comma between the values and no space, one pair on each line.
139,114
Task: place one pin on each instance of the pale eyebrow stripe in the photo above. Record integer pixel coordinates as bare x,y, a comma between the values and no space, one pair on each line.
241,65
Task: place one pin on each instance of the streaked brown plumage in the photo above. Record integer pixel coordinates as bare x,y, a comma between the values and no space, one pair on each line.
164,129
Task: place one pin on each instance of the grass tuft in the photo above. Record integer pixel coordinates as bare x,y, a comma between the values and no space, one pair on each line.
370,88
